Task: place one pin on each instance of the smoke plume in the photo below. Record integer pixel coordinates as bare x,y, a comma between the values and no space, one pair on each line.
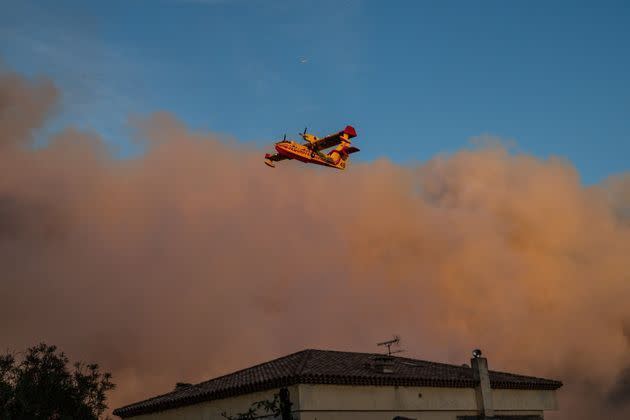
196,259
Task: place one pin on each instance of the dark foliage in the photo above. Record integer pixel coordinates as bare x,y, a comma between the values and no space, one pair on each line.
41,386
278,408
620,393
268,407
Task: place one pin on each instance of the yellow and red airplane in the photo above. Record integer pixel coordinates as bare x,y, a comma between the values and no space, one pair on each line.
311,151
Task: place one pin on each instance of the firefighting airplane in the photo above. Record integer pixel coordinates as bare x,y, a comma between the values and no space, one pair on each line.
311,151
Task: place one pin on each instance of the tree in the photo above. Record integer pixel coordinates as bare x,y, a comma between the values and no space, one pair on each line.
41,386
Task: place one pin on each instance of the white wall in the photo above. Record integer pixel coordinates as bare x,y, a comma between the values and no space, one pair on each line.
335,402
327,402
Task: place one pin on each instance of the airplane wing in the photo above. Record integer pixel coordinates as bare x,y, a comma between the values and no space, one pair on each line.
333,139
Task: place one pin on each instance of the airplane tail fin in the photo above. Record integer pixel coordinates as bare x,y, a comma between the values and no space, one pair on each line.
349,132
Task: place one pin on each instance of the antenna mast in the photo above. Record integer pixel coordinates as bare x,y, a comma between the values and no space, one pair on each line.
389,345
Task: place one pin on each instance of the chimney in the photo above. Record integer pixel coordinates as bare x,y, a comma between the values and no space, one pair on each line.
483,390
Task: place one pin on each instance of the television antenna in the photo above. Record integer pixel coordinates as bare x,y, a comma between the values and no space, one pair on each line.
390,343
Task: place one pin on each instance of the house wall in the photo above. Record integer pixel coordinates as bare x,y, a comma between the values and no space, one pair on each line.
517,399
334,402
327,402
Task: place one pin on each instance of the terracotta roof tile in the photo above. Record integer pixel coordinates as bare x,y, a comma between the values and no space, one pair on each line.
330,367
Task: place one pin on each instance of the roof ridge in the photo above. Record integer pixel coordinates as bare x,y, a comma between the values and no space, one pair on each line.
252,367
307,356
395,357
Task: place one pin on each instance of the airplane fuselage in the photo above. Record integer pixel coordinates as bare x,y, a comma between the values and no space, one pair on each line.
293,150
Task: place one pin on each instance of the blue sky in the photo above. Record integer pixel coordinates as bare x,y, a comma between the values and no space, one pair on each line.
416,78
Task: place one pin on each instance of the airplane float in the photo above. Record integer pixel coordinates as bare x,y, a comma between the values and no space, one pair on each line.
311,151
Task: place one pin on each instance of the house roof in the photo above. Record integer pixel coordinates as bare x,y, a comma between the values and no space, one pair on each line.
334,368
